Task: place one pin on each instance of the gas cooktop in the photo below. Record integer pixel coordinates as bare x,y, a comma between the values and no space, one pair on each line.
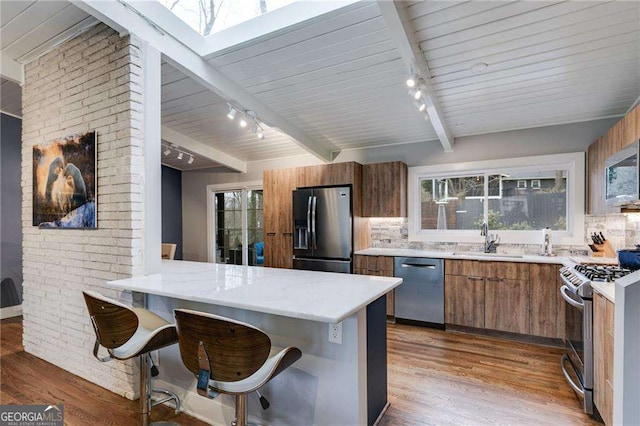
579,277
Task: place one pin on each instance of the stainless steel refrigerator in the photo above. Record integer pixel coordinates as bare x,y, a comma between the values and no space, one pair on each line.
323,229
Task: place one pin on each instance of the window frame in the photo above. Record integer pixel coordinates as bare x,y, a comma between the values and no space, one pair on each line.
573,163
211,216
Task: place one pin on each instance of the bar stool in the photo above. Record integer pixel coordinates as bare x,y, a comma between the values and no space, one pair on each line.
229,357
131,332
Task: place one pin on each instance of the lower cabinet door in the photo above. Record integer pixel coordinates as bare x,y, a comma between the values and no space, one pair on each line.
278,251
464,300
507,305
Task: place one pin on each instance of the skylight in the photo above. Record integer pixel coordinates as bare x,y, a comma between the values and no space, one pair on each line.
210,16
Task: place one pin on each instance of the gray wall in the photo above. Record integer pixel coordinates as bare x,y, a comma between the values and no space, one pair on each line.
518,143
11,206
172,208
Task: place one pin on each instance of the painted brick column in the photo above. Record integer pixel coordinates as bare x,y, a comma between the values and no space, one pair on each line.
93,82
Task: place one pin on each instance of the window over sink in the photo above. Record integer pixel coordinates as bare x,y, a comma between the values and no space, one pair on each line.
516,197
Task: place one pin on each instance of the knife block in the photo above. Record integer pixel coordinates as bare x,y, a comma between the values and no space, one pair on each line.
604,250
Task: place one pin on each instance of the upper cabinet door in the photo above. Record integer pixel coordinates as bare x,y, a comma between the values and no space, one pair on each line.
385,189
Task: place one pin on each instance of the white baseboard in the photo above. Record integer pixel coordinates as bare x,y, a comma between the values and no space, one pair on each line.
10,311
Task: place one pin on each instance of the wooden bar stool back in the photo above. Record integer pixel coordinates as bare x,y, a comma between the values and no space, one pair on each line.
131,332
229,356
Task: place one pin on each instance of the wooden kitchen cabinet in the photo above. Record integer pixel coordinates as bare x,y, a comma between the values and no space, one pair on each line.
506,305
464,300
328,174
603,324
385,189
278,212
380,266
546,304
485,294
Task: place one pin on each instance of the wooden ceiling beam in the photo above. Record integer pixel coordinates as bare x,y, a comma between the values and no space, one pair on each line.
125,18
399,25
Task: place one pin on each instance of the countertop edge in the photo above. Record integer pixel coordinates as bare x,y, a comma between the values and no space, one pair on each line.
560,260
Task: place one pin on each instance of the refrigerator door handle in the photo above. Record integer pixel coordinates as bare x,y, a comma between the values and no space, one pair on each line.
313,222
309,217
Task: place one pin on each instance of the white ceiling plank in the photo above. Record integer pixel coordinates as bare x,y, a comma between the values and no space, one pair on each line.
46,30
23,23
11,69
10,9
194,66
203,150
399,25
308,51
563,33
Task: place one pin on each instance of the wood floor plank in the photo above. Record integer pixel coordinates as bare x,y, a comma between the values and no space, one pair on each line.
435,378
449,378
26,379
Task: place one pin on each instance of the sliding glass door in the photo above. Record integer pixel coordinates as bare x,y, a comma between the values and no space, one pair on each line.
238,223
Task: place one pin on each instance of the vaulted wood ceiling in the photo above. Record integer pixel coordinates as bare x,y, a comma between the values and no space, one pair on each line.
340,78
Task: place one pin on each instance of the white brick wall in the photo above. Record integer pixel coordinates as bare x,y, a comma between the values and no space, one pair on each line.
93,82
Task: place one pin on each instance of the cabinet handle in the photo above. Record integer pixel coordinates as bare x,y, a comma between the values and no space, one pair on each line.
271,234
475,278
495,279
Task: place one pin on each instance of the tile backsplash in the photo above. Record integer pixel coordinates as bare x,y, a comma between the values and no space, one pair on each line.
622,230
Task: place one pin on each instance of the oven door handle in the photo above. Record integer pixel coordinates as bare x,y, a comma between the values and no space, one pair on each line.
569,300
576,388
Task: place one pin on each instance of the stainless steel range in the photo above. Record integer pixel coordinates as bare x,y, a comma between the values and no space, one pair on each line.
578,338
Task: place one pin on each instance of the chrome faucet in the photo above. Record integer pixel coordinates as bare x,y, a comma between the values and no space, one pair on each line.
490,243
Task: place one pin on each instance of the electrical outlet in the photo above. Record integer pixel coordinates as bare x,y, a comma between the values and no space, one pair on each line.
335,333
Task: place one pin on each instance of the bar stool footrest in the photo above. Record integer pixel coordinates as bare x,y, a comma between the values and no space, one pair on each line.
170,396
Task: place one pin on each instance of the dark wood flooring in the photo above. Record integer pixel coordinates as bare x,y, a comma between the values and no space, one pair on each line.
435,377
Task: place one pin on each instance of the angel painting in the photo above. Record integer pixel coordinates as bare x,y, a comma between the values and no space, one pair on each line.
64,175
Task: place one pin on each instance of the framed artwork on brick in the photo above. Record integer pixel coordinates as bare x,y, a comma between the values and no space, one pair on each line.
64,182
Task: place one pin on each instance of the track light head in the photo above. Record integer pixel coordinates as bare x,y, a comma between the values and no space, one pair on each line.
243,122
167,152
232,112
413,80
418,94
420,105
260,133
180,156
190,161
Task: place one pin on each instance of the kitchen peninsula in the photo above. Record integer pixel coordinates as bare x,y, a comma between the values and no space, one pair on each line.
333,383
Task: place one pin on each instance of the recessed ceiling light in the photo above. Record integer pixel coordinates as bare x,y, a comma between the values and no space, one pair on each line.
479,67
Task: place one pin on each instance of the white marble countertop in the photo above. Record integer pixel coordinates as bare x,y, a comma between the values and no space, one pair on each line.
608,290
560,260
317,296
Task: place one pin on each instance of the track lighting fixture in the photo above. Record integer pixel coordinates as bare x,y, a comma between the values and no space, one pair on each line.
180,155
190,161
248,118
167,152
417,89
232,112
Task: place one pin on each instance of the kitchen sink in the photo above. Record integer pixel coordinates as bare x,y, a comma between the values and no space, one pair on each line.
475,253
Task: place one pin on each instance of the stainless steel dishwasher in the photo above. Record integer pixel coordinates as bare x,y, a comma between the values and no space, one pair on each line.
420,297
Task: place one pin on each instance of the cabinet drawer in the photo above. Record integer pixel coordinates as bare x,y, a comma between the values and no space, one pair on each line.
380,263
507,270
474,268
